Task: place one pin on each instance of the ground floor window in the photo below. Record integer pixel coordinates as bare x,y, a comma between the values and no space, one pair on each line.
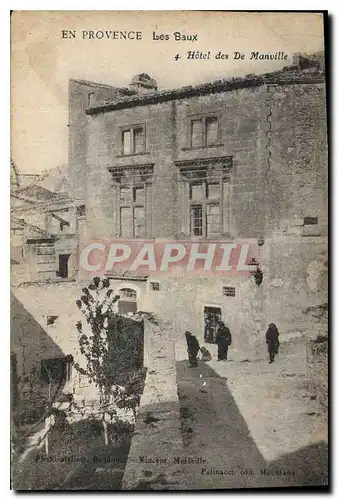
56,369
128,301
212,317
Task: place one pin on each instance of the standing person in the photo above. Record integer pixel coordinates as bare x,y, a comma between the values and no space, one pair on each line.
271,338
223,340
193,348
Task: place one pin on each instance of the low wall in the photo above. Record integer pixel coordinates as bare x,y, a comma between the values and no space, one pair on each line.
319,370
157,437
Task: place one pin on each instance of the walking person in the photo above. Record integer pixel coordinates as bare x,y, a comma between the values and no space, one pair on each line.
223,340
193,348
271,338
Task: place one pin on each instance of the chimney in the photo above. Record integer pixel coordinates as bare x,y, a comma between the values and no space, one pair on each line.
306,61
142,83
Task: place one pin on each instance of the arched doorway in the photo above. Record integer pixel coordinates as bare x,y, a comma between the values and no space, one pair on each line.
128,301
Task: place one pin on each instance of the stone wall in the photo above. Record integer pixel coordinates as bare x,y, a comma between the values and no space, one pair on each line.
157,437
34,338
318,370
78,93
318,352
276,135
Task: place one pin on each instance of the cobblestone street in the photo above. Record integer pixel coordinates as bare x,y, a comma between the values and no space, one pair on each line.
246,417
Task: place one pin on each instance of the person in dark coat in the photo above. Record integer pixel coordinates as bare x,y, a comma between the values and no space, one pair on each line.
271,338
223,340
193,348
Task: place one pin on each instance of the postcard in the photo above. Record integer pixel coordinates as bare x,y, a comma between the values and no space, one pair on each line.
169,250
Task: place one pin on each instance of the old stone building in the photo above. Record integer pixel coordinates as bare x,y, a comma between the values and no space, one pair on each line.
233,160
44,228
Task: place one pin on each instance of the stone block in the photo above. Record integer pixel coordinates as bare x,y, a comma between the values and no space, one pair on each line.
296,222
312,230
296,230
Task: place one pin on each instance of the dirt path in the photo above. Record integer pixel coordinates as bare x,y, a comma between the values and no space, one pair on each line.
243,418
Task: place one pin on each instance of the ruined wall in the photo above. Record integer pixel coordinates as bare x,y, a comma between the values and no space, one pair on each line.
157,428
319,370
34,337
39,301
30,344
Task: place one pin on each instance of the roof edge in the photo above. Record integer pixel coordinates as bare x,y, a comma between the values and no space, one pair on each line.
92,84
282,77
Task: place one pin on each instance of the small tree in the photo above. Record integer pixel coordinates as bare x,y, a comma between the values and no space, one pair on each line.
107,351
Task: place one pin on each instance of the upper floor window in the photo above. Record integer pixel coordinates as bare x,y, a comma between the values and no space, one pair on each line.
132,188
205,196
204,131
132,211
133,140
205,216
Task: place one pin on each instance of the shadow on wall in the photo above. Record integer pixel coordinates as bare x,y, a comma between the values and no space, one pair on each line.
32,385
214,428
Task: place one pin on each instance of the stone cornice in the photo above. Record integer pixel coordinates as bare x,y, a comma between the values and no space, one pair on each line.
203,161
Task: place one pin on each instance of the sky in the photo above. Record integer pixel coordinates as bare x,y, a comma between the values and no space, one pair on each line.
42,61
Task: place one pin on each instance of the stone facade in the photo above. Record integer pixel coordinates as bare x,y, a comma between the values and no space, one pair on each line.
259,140
271,142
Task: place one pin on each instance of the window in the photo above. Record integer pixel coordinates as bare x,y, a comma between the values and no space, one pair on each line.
90,98
211,130
229,291
56,369
81,210
196,220
204,131
154,286
205,217
309,221
128,293
132,211
133,140
51,320
212,220
132,191
128,301
197,191
205,196
196,133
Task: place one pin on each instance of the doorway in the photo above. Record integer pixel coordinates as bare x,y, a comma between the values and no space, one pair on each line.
212,317
63,265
